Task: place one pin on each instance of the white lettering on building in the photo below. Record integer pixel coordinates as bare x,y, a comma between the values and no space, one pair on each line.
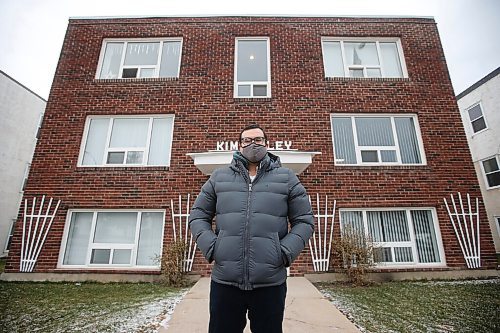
234,145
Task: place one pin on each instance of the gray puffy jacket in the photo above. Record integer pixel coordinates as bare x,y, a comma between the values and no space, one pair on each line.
252,245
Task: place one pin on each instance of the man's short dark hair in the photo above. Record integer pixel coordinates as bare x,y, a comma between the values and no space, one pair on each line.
249,127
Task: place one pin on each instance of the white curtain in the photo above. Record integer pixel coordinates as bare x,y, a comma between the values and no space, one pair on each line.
252,60
78,239
390,56
115,227
142,54
149,246
332,59
129,132
111,62
159,150
170,58
96,140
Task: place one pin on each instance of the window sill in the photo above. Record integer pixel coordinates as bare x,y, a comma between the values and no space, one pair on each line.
251,99
369,79
149,79
383,167
122,168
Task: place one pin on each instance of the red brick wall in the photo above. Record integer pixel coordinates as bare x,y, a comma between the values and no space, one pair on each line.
205,111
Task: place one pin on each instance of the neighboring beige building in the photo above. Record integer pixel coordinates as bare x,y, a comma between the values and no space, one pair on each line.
21,111
480,110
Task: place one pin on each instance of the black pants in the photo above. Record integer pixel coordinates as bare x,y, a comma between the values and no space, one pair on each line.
229,305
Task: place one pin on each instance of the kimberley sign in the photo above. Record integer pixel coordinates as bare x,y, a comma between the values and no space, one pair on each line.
233,145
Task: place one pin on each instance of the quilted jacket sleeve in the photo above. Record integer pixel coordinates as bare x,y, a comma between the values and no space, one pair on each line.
200,219
301,219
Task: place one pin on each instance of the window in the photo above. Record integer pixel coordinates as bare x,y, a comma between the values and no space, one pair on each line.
376,140
25,177
9,238
144,58
113,238
127,141
400,236
363,58
491,171
252,68
476,117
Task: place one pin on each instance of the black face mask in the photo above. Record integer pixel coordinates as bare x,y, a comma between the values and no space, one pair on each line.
254,153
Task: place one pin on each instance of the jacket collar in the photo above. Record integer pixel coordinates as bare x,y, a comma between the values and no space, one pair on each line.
269,162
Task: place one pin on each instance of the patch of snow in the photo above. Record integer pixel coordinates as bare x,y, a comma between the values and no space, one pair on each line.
457,282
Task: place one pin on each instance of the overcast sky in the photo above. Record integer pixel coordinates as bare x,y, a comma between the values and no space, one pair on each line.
32,31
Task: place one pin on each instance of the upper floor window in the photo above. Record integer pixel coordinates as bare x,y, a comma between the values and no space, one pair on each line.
376,140
476,117
252,67
491,171
127,141
363,58
142,58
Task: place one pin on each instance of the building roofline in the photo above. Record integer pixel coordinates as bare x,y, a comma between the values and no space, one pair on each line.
479,83
247,15
22,85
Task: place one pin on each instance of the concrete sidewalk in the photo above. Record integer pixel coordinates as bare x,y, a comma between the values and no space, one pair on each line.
306,310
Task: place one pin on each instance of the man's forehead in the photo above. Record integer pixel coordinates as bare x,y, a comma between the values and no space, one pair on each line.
252,132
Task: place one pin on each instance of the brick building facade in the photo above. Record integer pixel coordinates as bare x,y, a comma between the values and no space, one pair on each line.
371,95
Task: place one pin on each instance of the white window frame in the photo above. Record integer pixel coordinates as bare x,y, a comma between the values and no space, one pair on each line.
488,187
412,243
252,83
125,42
467,115
375,40
9,237
112,246
107,149
497,223
25,177
359,148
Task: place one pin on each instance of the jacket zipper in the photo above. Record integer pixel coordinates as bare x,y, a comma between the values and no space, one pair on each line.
246,266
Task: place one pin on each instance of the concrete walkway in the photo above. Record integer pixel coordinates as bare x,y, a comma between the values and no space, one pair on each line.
306,310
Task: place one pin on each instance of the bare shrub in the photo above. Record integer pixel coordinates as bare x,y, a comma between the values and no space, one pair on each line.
172,262
356,251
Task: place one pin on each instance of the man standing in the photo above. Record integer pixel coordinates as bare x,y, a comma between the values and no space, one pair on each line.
253,200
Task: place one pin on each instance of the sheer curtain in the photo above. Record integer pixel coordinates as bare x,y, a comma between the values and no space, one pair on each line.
111,63
128,132
115,227
149,247
390,56
159,150
78,239
170,58
140,54
96,140
332,59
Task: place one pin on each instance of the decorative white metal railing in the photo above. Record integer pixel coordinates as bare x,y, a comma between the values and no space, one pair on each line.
182,220
466,229
33,235
321,245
